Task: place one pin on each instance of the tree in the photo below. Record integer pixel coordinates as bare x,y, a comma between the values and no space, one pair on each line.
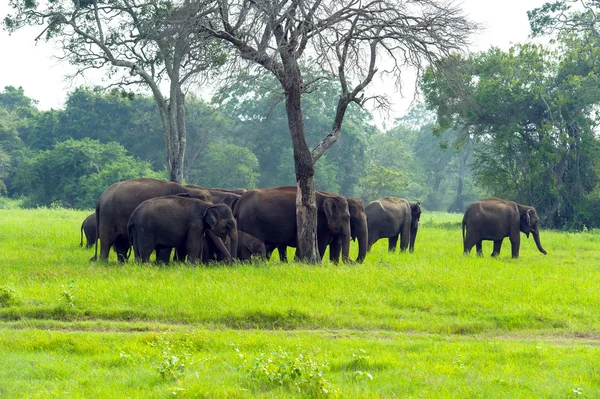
255,103
127,39
346,40
573,16
227,166
532,110
75,172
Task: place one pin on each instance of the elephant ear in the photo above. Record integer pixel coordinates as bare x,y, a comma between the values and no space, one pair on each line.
329,207
211,216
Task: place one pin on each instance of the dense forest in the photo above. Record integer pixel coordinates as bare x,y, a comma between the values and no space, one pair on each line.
519,124
68,157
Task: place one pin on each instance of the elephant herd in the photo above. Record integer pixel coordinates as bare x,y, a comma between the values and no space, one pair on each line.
205,224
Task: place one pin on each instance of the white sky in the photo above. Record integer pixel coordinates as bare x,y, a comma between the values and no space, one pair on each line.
31,65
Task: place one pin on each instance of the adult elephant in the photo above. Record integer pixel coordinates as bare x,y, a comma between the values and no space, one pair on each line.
88,227
117,203
181,223
358,230
494,219
391,217
269,214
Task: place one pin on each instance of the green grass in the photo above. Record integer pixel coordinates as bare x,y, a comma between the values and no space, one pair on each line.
432,324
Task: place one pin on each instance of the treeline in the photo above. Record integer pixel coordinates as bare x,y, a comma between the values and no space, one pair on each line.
520,125
68,157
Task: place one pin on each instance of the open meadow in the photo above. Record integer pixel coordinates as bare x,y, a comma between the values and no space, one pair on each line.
432,324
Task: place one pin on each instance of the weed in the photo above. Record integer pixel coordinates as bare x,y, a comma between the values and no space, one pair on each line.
8,296
173,358
360,360
301,372
67,296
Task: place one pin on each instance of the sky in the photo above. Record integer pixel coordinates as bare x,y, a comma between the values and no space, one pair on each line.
33,67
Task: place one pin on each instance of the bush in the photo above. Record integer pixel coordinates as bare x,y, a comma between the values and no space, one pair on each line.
74,173
299,372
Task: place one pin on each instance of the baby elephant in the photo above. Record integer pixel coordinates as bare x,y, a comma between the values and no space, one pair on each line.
248,245
88,227
181,223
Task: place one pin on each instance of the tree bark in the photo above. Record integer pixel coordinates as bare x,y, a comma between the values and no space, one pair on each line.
306,208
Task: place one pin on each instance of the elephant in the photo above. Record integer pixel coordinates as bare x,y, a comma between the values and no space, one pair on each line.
391,217
117,203
180,222
269,214
494,219
248,246
88,227
358,229
221,196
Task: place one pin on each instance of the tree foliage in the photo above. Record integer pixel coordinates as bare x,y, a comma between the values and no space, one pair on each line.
75,172
129,41
531,110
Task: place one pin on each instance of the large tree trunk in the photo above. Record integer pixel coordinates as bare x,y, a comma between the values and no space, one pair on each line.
306,208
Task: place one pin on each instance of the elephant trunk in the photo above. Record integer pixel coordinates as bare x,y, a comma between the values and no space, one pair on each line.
233,241
346,243
536,237
361,232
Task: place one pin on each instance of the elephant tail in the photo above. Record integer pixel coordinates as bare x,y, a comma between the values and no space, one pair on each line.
97,231
463,229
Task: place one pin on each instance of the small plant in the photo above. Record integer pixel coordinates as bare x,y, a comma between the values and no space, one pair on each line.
67,296
360,360
8,296
300,372
173,358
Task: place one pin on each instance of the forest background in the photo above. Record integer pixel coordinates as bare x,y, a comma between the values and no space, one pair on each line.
519,124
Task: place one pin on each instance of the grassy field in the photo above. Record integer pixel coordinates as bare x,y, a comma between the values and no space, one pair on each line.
432,324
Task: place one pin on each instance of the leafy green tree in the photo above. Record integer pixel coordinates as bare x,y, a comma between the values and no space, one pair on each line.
531,109
75,172
256,105
135,43
227,166
572,16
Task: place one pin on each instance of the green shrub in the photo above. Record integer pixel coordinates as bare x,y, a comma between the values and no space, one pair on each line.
300,372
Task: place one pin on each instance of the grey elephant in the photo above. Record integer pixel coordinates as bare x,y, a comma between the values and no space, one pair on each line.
494,219
181,223
117,203
358,230
88,227
269,214
392,217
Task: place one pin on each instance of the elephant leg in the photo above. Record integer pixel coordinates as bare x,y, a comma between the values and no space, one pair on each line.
145,249
163,255
335,250
516,244
180,254
469,243
479,247
392,242
405,237
194,246
321,246
121,248
269,248
106,241
497,247
282,249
